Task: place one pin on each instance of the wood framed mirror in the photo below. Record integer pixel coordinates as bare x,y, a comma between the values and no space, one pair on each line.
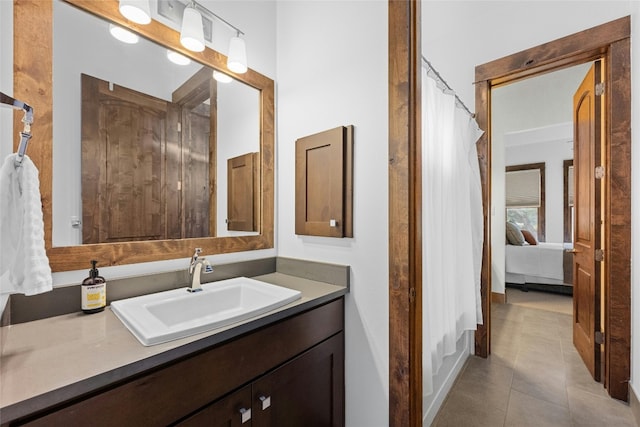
33,82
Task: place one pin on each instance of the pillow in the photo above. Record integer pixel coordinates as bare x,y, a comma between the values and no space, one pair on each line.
514,235
528,237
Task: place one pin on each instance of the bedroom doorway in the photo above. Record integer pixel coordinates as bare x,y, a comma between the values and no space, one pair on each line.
532,140
609,42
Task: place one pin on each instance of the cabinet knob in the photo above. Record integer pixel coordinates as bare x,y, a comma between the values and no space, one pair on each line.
245,414
266,401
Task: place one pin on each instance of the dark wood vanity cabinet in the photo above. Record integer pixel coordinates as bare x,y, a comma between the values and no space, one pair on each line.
306,391
288,373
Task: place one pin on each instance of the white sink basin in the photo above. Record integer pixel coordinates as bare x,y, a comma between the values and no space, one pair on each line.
169,315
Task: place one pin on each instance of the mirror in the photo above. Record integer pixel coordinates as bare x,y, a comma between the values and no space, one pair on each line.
127,113
33,81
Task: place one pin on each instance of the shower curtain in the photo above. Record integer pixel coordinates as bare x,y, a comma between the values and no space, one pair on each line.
452,226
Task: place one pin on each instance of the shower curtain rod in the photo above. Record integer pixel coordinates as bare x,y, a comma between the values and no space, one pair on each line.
441,80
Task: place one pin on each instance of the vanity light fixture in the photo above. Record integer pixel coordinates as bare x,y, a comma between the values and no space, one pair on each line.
123,35
221,77
192,34
137,11
177,58
237,57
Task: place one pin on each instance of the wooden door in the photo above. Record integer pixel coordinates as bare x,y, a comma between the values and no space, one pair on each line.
587,239
196,191
123,163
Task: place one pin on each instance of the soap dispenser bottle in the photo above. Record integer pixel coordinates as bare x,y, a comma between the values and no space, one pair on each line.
94,291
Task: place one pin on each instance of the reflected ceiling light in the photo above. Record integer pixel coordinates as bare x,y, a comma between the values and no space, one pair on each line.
137,11
123,35
177,58
237,58
192,34
221,77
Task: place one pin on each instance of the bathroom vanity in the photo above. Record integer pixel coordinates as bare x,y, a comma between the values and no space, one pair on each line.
283,368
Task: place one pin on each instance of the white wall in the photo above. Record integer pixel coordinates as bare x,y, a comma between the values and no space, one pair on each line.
238,134
458,35
332,71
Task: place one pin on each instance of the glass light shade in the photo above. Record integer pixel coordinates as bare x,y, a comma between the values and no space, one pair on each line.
237,58
177,58
221,77
137,11
123,35
192,34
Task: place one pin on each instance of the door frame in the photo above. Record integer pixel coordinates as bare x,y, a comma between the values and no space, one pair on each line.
610,41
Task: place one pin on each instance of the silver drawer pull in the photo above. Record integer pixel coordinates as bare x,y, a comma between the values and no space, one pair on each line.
266,401
246,414
333,223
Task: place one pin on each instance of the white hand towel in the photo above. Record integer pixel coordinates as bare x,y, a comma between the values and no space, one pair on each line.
24,266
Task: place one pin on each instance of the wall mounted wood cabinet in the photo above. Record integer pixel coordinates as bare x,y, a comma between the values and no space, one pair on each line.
324,183
242,192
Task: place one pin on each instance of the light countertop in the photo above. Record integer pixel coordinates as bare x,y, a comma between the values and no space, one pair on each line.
48,361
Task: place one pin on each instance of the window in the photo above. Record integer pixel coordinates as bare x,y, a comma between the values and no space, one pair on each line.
568,200
525,197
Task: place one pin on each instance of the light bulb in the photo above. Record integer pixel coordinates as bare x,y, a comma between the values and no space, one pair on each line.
192,34
123,35
137,11
177,58
221,77
237,58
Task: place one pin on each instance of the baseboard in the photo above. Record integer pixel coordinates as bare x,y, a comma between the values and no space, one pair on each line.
498,298
634,404
457,361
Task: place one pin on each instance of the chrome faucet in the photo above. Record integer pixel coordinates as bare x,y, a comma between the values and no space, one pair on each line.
195,267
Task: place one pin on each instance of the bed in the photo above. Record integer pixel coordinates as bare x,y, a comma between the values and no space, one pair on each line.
545,266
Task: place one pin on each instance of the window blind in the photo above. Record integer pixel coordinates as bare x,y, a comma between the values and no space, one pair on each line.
523,188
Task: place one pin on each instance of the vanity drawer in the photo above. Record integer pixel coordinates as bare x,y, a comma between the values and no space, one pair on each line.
169,393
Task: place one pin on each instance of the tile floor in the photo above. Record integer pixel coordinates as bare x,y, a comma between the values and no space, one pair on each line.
534,377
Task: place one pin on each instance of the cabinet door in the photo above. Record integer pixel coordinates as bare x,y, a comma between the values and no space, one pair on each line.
307,391
231,411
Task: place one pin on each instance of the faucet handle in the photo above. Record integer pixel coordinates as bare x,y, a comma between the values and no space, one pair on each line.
197,252
208,268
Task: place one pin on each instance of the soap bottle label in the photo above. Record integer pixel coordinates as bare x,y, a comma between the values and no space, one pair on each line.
93,296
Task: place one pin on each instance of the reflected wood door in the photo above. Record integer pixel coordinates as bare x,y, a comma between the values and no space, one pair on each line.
587,239
242,190
123,163
195,151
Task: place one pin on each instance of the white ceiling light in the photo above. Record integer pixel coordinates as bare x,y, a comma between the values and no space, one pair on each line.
237,58
177,58
123,35
221,77
137,11
192,34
